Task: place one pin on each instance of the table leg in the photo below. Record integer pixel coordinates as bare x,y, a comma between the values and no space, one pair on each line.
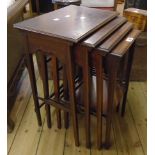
56,87
66,96
30,67
99,81
71,85
44,73
112,72
127,77
86,81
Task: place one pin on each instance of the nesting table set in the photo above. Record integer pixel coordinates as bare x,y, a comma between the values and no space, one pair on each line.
95,49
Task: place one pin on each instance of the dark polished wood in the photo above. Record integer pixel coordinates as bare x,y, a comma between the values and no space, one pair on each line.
82,59
113,40
127,77
126,43
66,96
82,56
70,75
105,31
113,60
86,81
55,75
30,67
44,44
59,23
126,46
55,34
112,65
99,81
45,86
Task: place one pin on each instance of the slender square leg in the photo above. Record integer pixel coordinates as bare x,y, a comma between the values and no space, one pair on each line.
112,72
55,74
99,81
86,81
44,76
127,77
66,96
30,67
71,86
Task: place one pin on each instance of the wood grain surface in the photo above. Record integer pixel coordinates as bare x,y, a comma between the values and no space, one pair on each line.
70,23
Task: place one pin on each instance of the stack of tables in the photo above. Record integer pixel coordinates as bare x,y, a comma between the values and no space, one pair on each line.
83,36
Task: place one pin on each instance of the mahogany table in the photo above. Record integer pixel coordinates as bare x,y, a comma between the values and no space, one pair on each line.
87,37
56,33
107,42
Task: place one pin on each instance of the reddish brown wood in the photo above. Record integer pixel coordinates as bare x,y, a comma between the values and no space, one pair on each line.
70,75
86,81
99,81
127,77
55,75
82,59
30,67
104,32
126,43
44,76
71,23
43,44
66,96
112,65
55,34
113,40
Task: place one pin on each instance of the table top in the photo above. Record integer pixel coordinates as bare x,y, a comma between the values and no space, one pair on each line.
97,37
71,23
117,36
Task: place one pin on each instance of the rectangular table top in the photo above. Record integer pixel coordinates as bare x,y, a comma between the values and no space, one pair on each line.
71,23
99,35
117,36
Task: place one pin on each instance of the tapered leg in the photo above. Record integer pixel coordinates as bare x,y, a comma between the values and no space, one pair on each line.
44,76
56,87
112,72
124,103
30,66
38,58
66,96
86,81
99,81
71,86
127,77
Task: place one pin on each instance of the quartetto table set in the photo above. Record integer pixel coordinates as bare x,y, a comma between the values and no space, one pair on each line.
94,51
